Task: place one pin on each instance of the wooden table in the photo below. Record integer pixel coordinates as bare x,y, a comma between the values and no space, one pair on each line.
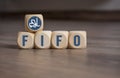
101,59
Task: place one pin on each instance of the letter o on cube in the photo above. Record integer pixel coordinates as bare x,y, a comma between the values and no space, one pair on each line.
60,39
25,40
77,39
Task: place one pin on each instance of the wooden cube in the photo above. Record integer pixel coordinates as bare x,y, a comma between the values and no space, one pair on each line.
59,39
77,39
33,22
25,40
43,39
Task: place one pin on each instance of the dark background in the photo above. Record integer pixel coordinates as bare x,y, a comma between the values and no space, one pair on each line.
64,9
57,5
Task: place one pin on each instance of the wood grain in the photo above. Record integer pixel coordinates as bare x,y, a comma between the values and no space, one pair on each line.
100,60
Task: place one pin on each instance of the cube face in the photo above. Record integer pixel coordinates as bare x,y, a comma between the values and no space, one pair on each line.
60,39
36,37
77,39
25,40
33,22
43,39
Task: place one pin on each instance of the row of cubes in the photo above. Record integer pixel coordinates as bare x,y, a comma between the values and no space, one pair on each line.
52,39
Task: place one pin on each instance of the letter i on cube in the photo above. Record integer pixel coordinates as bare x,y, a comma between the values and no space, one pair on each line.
35,37
43,39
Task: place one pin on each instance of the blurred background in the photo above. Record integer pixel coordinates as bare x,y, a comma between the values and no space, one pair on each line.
101,58
64,9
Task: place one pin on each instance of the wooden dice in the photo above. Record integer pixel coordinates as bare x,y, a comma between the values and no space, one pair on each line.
55,39
35,37
25,40
43,39
33,22
60,39
77,39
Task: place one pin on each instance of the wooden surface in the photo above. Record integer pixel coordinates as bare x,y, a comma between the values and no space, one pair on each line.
100,60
